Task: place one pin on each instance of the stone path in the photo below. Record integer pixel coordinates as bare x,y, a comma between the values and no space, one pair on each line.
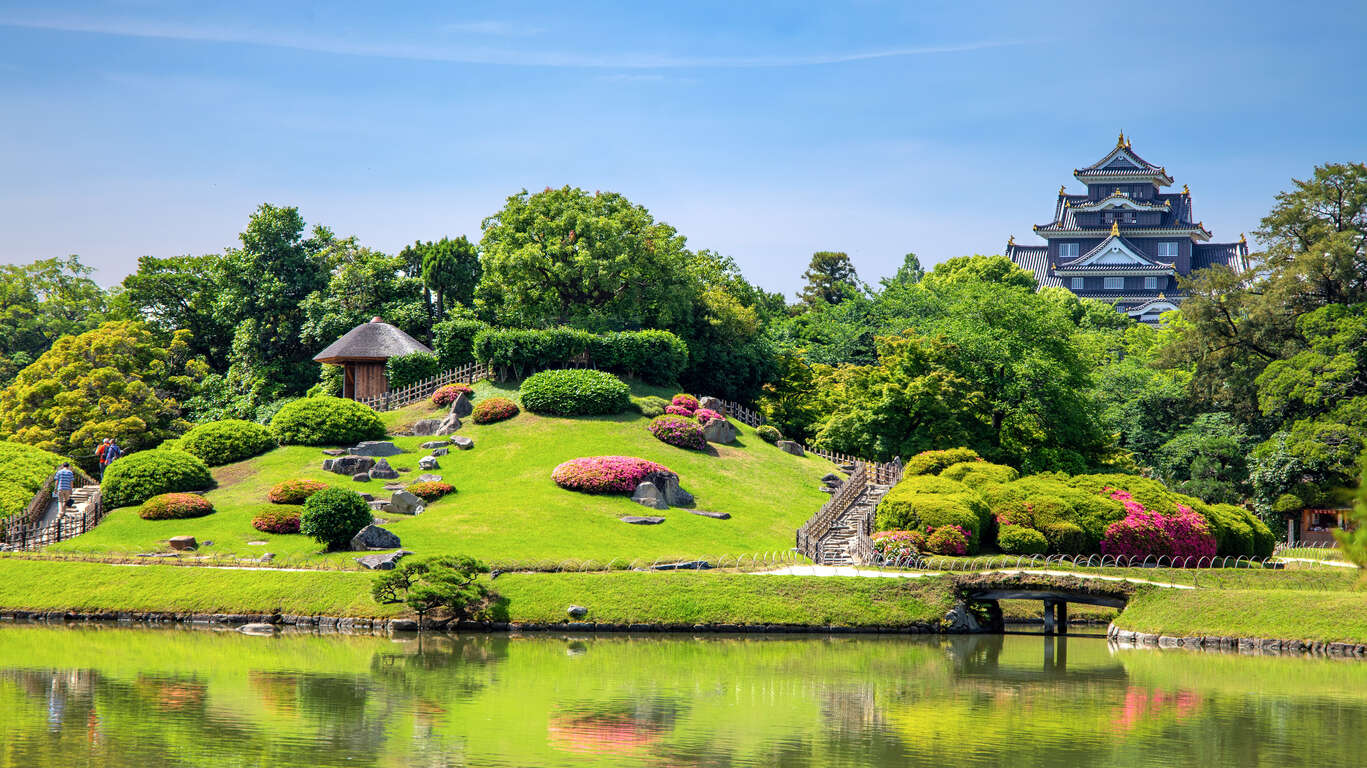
79,496
835,549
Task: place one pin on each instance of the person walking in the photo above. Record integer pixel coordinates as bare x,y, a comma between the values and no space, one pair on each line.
111,452
64,480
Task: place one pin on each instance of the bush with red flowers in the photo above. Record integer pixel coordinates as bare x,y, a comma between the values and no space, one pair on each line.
948,540
444,396
605,474
704,415
430,490
678,410
678,431
175,506
294,491
494,409
279,520
685,401
1144,533
898,545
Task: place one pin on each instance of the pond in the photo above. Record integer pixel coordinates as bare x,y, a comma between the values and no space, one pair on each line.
109,696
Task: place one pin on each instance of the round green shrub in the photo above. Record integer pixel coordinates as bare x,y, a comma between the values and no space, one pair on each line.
223,442
1019,540
294,491
493,409
333,515
650,406
575,392
175,506
977,474
921,502
326,421
768,433
931,462
281,520
1065,538
137,477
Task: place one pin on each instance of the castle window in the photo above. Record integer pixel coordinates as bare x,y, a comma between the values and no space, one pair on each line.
1150,283
1077,283
1168,251
1114,283
1067,251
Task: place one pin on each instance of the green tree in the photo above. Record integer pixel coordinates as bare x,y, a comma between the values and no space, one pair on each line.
362,284
909,273
448,582
1208,459
830,278
178,293
1328,376
40,303
978,268
1354,541
451,270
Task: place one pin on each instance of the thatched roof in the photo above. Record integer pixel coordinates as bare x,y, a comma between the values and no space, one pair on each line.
372,342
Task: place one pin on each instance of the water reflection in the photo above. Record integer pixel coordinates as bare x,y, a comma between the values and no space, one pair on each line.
123,697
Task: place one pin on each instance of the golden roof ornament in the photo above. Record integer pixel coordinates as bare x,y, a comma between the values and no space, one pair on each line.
1185,190
1161,295
1060,190
1115,228
1120,142
1243,239
1011,240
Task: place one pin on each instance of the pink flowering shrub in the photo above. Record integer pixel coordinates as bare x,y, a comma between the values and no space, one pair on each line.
687,402
1143,533
948,540
446,395
704,415
678,431
605,474
895,545
678,410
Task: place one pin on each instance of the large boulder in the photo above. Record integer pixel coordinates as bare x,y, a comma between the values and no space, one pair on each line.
648,495
719,431
182,543
461,407
385,561
448,425
427,427
382,471
348,465
789,446
376,448
373,537
462,442
428,462
714,403
405,503
668,485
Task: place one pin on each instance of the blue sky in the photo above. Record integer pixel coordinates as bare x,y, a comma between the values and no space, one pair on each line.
761,130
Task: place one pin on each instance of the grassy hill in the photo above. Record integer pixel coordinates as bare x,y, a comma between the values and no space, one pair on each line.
506,509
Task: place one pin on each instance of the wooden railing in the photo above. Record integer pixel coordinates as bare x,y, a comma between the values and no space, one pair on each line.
882,473
25,532
421,390
813,533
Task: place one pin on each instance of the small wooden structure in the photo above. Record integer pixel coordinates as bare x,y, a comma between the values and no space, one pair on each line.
1316,526
362,353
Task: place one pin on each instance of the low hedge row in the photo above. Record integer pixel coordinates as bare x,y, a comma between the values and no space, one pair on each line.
654,356
575,392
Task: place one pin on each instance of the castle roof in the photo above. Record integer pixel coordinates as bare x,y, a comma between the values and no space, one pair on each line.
1122,162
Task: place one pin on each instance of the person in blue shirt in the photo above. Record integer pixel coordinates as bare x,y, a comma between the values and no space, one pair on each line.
65,479
111,451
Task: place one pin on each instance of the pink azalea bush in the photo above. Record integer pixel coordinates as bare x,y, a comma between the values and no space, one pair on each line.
1144,533
678,410
895,545
605,474
687,402
446,395
948,540
678,431
704,415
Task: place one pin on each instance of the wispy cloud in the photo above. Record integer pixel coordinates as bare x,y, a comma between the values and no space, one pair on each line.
491,28
473,54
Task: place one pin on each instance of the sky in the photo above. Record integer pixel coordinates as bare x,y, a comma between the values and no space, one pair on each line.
764,131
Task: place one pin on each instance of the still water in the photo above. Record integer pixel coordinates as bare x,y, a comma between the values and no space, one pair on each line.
101,696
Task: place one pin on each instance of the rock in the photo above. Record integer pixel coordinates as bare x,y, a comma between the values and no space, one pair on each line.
829,488
182,543
719,431
429,478
428,462
440,451
393,486
361,477
713,403
257,629
384,561
687,565
373,537
427,427
448,425
713,515
462,442
638,520
378,505
382,471
668,485
831,478
333,452
430,444
376,448
577,611
348,465
789,446
960,619
368,497
648,495
461,407
405,503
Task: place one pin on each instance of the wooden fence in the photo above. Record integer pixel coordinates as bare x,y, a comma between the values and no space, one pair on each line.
882,473
421,390
25,530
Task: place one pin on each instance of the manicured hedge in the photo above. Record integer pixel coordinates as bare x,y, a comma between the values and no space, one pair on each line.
411,368
223,442
923,501
949,540
575,392
294,491
655,356
282,520
678,431
769,433
605,474
333,515
493,409
931,462
175,506
326,421
1018,540
431,490
976,474
137,477
454,341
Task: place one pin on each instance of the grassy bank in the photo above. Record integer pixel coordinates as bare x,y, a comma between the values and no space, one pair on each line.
1325,616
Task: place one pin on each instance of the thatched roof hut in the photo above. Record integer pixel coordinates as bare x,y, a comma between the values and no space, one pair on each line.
362,353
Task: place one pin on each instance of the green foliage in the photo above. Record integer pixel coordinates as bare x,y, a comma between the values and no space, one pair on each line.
1065,538
403,370
769,433
294,491
654,356
678,431
223,442
1018,540
137,477
575,392
454,340
450,269
118,381
330,381
1354,541
23,470
1315,461
333,516
649,406
976,474
979,269
175,506
449,583
1208,459
933,462
178,293
492,409
830,279
922,501
326,421
42,302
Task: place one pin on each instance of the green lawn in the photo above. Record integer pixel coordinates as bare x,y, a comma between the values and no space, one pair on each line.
1326,616
507,510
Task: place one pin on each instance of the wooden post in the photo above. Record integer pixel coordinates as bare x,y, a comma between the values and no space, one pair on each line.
1048,617
1062,608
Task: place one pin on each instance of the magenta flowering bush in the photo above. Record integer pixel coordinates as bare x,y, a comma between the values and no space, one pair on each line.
678,410
948,540
685,401
704,415
678,431
605,474
1143,533
895,545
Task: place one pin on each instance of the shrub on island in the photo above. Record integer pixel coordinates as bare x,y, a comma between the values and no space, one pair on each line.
137,477
175,506
678,431
605,474
575,392
333,515
769,433
431,490
446,395
326,421
493,409
1019,540
282,520
294,491
223,442
932,462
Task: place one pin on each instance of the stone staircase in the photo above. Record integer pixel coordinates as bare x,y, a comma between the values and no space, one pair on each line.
81,499
835,546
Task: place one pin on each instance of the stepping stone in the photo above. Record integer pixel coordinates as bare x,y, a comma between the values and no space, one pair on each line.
423,479
462,442
382,562
639,520
713,515
377,504
430,444
333,452
394,486
363,477
256,543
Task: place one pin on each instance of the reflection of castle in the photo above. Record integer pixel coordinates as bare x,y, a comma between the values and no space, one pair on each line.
1124,241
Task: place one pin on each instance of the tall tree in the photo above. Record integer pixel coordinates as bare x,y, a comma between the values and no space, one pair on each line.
451,270
980,269
909,273
830,278
41,302
178,293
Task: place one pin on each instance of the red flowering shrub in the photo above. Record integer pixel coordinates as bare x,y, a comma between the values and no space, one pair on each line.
283,520
431,490
678,431
175,506
605,474
294,491
704,415
948,540
687,402
494,409
1143,533
897,545
444,396
678,410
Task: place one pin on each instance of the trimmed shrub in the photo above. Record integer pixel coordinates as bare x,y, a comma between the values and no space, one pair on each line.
411,368
1019,540
333,515
949,540
654,356
175,506
575,392
223,442
493,409
896,545
605,474
931,462
454,341
430,490
704,415
137,477
446,395
678,410
650,405
977,474
685,401
678,431
921,502
294,491
281,520
326,421
1012,512
769,433
1065,538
